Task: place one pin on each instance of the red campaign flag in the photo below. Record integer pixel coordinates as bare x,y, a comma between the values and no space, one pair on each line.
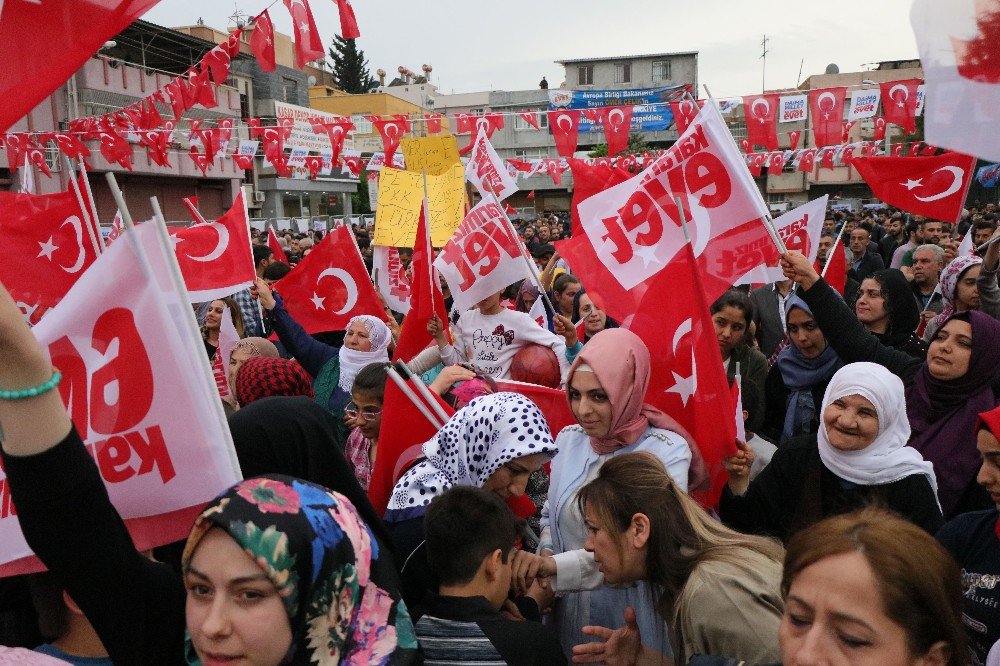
224,131
761,113
200,160
633,230
463,122
215,257
935,187
565,126
400,444
201,88
116,149
793,138
272,242
391,130
426,299
174,92
530,117
16,144
826,160
281,166
848,155
588,180
30,30
836,273
45,246
899,103
496,122
253,124
308,44
879,127
433,122
617,121
348,22
330,285
826,107
684,112
687,378
243,161
217,62
36,156
353,163
314,163
286,125
273,140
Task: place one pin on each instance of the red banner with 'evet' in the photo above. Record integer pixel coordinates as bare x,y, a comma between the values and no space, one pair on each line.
137,385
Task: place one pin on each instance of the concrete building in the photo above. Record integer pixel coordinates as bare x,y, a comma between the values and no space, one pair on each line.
364,136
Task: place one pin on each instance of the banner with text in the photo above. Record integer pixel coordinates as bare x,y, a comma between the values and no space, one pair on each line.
652,105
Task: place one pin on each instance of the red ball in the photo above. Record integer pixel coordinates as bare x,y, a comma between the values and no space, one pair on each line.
536,364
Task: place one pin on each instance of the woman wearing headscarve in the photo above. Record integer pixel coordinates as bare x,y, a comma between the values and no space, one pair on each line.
263,377
366,340
858,457
795,384
943,394
590,320
249,348
887,310
606,392
967,284
276,570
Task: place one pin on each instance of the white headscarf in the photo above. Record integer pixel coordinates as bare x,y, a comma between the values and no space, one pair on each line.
887,458
476,441
352,360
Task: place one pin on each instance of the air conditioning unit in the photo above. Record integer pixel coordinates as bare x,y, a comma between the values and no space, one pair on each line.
258,197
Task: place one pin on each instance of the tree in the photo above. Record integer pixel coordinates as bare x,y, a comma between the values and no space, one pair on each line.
636,146
350,69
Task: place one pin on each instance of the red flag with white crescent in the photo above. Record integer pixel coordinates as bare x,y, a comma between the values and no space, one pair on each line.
392,131
932,186
308,43
530,117
617,121
899,103
330,285
215,257
684,111
565,127
826,106
761,113
348,22
272,242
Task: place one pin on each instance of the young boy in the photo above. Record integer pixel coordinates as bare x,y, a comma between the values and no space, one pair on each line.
364,416
470,544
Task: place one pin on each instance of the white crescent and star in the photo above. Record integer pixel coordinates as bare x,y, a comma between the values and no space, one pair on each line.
906,94
349,284
47,248
616,124
767,107
958,175
685,387
220,247
569,121
81,255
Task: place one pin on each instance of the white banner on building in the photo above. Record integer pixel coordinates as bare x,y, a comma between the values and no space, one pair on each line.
863,104
792,108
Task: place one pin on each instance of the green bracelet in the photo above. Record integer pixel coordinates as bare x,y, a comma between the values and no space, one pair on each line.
34,391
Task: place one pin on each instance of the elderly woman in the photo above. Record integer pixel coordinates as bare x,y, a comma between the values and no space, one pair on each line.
968,283
858,457
333,369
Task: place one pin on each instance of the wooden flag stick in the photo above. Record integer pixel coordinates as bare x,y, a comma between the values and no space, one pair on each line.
407,374
408,392
120,200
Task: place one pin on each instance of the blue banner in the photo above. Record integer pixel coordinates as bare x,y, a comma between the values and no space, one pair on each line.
651,111
989,176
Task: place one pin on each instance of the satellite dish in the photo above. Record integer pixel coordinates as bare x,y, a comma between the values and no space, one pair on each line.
832,68
312,80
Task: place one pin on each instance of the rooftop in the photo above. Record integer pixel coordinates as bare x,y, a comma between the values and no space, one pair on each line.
627,57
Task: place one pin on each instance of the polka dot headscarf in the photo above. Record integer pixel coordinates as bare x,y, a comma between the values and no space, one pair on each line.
481,437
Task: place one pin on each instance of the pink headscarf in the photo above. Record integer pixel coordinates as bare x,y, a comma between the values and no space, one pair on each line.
620,361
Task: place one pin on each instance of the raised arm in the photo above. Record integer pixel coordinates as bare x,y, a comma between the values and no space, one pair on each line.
308,351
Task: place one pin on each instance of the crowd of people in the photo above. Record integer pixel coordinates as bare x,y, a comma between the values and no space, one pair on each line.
859,522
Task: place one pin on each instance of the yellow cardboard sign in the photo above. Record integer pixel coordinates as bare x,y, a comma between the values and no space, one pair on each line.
400,196
436,154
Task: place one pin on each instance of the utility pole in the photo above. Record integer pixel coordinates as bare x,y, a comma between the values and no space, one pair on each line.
763,69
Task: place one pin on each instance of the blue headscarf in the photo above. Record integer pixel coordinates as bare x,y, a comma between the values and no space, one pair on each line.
801,375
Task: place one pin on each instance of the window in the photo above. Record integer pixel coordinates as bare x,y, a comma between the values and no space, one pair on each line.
361,124
661,70
541,118
586,75
529,153
623,72
290,91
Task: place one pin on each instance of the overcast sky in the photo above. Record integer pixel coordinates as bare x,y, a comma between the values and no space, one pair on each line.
508,45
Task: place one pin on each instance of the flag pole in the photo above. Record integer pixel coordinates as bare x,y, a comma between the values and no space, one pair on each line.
826,264
407,374
120,200
92,229
408,392
190,329
427,239
90,196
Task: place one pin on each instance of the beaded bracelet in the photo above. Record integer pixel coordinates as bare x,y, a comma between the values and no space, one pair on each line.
34,391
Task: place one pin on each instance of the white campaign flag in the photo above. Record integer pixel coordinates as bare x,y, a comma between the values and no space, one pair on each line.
962,83
800,229
487,172
138,386
390,279
482,257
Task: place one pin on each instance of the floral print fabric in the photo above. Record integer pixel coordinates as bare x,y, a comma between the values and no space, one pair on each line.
325,563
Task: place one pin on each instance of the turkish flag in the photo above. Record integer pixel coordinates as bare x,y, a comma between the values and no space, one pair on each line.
826,159
243,161
826,106
687,377
899,103
200,159
201,88
136,382
879,129
793,138
776,162
617,121
404,431
755,164
433,121
45,246
29,31
71,145
555,168
16,144
935,187
217,62
530,117
565,126
272,242
391,131
761,113
836,272
308,44
115,148
348,22
588,180
633,230
336,130
552,402
684,112
426,299
157,143
215,257
330,285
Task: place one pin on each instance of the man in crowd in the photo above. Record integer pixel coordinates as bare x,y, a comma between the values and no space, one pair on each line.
866,261
983,230
895,236
769,314
928,262
915,237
